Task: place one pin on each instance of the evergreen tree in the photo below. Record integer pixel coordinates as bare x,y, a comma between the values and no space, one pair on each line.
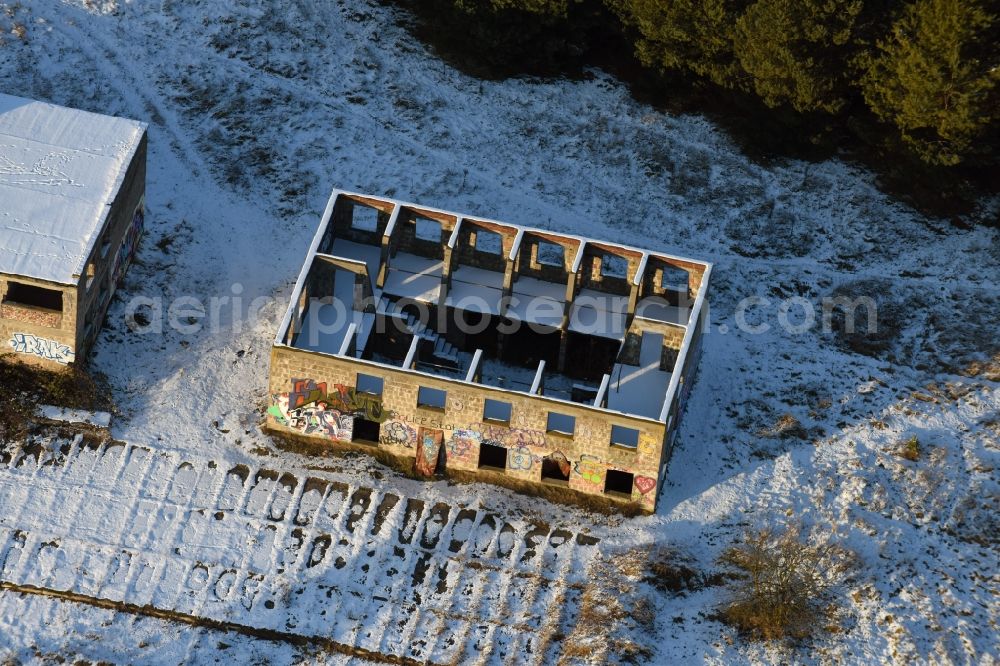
936,78
505,37
693,35
797,51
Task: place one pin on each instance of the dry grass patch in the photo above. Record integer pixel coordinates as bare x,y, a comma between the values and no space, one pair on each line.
989,369
23,387
669,571
910,449
612,610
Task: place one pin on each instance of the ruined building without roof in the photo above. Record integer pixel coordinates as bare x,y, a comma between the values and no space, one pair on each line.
461,343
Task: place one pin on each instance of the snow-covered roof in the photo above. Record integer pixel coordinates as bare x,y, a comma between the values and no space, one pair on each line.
60,170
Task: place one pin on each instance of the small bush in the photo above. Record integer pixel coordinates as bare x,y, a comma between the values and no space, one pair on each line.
781,584
669,571
910,449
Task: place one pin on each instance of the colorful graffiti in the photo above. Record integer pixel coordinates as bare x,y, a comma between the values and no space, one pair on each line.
513,437
397,433
315,418
128,246
525,446
590,469
50,350
306,391
520,457
644,484
344,399
464,445
428,449
363,405
559,458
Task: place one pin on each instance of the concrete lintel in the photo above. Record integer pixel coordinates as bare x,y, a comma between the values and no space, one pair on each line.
516,247
352,265
346,344
411,355
537,384
641,270
474,366
453,239
578,260
390,227
601,392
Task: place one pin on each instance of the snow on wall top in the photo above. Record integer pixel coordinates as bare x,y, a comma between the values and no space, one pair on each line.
60,170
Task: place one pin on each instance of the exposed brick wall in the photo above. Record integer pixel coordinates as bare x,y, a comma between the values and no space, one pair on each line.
31,315
322,403
467,254
652,286
593,270
461,423
405,234
529,266
37,336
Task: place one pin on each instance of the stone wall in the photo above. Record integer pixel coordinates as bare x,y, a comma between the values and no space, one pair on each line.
467,254
312,394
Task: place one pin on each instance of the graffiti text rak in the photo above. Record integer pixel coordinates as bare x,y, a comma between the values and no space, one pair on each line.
26,343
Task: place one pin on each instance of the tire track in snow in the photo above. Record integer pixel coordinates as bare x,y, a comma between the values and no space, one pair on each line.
191,155
125,80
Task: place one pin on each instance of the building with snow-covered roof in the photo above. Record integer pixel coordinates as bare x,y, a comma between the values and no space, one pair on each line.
72,188
466,344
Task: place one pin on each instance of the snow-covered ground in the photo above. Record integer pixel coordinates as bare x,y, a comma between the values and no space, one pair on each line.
257,110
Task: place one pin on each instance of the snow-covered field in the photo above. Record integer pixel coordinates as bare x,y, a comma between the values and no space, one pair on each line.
257,110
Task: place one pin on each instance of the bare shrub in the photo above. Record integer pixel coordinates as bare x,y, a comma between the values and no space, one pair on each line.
781,583
871,337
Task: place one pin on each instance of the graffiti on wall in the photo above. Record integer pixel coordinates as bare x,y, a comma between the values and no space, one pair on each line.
305,392
463,446
50,350
38,317
309,409
559,458
344,399
513,437
362,405
590,469
314,418
397,433
644,484
525,447
129,244
520,457
429,444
